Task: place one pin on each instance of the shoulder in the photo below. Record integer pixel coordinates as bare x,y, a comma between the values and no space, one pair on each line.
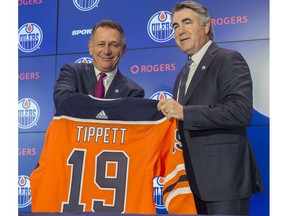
223,55
78,65
131,83
224,52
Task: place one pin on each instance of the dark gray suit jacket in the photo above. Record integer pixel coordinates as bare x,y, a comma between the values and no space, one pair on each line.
218,107
80,77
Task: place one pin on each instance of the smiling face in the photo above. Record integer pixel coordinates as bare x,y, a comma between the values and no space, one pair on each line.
190,35
106,47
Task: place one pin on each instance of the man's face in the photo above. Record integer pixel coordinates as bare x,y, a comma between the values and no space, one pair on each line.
106,48
190,35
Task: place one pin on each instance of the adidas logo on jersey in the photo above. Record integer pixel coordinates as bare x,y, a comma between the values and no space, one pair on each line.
101,115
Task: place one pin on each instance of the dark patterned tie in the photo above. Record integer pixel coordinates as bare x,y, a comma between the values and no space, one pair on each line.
100,89
183,81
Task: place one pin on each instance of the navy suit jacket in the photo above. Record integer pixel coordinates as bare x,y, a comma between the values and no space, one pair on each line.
218,107
80,77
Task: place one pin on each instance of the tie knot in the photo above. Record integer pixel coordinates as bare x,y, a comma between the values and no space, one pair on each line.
102,75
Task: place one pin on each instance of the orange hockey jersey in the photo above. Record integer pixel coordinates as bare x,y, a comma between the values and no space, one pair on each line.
102,156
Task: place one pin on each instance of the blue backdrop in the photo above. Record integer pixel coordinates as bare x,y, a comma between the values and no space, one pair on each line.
55,32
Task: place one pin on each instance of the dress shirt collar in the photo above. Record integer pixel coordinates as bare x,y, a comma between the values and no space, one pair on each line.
110,75
199,55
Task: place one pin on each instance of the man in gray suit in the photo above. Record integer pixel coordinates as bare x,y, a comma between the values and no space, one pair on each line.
212,116
107,45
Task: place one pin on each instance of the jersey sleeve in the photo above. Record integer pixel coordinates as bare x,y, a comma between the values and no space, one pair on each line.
177,195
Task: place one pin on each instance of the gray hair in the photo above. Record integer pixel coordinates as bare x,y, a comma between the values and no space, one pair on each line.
201,11
109,24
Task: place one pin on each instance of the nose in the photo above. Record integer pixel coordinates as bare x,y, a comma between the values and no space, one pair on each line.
181,29
107,49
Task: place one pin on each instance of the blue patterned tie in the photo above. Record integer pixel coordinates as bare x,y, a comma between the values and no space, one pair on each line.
100,89
183,81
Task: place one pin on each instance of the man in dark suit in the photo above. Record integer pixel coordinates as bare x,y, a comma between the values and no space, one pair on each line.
107,45
212,116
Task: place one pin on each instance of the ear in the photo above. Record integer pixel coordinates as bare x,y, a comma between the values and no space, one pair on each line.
207,27
124,47
90,47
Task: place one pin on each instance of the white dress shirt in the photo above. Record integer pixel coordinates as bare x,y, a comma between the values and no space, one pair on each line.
197,57
108,79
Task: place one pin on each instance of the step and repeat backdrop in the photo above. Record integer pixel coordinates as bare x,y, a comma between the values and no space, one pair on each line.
52,33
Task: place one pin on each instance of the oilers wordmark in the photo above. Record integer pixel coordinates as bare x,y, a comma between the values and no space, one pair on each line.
30,37
159,27
28,113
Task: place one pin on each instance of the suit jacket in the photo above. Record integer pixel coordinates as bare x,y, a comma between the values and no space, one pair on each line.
75,77
218,106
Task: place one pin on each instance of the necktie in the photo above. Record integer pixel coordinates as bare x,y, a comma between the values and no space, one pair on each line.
100,89
183,80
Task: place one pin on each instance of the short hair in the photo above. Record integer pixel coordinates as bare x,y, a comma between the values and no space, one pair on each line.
109,24
201,11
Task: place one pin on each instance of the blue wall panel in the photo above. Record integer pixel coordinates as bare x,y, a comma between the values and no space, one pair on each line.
36,81
40,37
52,33
29,150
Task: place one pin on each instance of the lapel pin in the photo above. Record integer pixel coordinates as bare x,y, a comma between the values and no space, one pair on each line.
116,91
203,67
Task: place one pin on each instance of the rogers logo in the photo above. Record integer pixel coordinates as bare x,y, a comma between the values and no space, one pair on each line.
233,20
29,76
27,151
135,69
29,2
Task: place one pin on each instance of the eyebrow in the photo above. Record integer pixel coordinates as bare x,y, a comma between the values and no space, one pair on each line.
182,21
186,19
110,42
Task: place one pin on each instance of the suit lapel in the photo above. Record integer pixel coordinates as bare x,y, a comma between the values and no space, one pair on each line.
201,71
117,86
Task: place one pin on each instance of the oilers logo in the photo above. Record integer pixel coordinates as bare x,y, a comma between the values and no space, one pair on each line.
28,113
85,5
84,60
30,37
158,195
160,27
24,191
177,144
161,95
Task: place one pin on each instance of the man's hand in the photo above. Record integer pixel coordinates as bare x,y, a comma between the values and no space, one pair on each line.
171,108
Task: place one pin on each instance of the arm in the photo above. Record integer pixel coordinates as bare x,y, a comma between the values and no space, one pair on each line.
65,84
222,99
231,106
